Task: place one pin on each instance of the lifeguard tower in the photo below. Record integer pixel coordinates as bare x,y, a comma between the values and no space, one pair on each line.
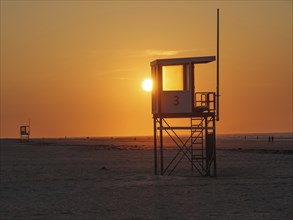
175,96
24,133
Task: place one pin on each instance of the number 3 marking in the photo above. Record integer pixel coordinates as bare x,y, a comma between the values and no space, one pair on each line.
176,100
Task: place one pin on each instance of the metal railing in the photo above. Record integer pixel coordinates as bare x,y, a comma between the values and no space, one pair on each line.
205,101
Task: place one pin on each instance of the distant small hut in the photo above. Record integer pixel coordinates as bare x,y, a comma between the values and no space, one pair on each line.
24,133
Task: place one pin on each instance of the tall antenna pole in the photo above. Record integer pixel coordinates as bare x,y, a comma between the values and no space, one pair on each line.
218,61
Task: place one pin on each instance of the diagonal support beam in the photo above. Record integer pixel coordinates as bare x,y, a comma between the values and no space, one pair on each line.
182,149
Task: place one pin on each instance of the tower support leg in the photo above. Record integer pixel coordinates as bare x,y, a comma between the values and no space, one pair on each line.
161,147
155,147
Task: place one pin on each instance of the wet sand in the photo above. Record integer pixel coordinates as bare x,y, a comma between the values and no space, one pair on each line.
113,179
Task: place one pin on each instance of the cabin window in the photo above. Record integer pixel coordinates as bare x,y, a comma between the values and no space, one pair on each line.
173,78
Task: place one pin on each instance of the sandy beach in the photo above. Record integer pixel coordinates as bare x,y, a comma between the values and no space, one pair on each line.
112,178
92,84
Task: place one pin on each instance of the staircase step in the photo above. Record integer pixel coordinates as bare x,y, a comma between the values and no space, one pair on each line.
198,158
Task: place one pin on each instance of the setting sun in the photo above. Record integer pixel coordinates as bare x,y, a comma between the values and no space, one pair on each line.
147,85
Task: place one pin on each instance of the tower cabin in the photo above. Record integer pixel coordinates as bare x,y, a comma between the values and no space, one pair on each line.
175,95
174,90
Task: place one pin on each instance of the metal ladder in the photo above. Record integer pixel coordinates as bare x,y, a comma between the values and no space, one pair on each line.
197,143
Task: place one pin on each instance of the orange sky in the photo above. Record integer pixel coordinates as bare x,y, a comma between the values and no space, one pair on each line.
75,68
